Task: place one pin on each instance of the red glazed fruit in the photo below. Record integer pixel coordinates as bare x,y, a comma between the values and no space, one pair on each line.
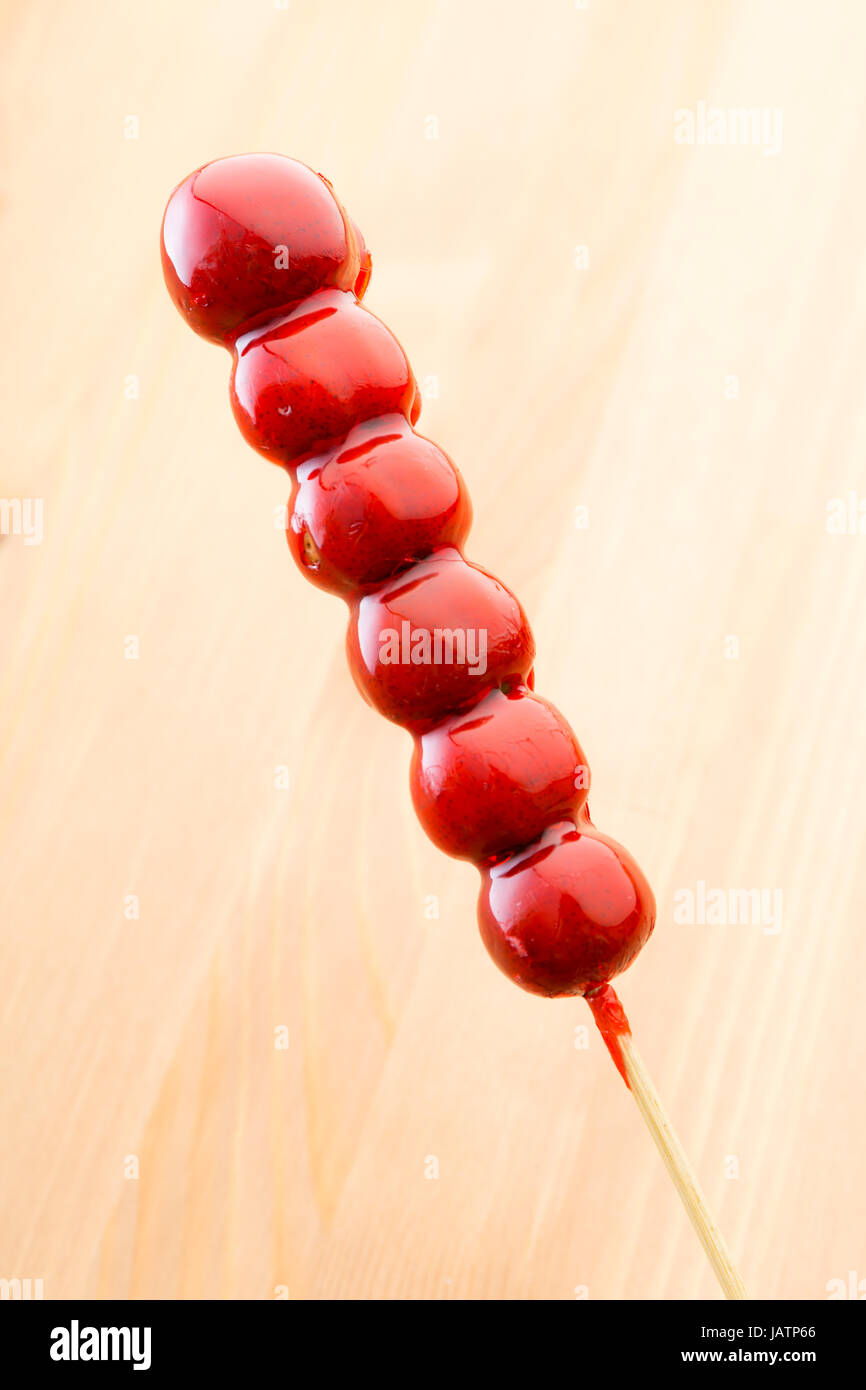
566,914
485,782
436,639
387,498
251,235
300,384
259,254
366,261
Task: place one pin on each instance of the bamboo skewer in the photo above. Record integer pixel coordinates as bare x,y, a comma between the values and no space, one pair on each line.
614,1028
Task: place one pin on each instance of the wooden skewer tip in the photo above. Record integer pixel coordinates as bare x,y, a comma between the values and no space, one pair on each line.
614,1027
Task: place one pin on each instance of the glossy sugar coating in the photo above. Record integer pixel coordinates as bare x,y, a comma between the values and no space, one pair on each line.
300,383
497,775
253,234
563,915
260,256
386,498
440,607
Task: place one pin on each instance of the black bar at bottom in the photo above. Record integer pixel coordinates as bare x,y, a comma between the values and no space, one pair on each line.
217,1339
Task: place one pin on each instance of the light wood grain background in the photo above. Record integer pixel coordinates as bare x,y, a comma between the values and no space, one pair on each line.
607,386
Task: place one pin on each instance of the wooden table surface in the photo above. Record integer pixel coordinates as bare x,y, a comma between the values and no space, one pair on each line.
251,1043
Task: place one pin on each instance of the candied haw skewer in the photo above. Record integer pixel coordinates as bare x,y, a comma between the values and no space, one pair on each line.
260,256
